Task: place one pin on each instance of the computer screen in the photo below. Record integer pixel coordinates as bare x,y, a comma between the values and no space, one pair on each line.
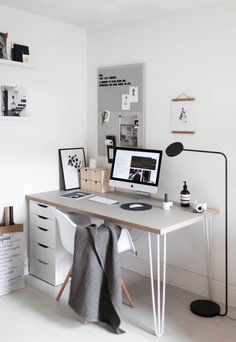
136,169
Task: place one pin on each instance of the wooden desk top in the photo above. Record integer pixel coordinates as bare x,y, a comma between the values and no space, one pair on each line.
155,220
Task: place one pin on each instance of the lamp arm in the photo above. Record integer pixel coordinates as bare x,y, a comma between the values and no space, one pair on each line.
226,223
204,151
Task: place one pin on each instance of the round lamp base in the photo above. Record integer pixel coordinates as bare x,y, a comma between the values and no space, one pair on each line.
205,308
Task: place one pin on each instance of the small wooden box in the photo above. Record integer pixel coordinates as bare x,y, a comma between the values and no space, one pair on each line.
95,179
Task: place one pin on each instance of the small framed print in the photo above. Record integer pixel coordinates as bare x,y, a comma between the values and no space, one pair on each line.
3,45
110,153
72,159
13,101
183,115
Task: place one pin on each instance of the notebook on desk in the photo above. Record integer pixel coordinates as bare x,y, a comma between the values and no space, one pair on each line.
77,195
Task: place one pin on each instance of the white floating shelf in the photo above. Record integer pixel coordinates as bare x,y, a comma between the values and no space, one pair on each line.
15,118
16,64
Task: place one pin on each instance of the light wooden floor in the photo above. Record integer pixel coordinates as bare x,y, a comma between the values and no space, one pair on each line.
33,315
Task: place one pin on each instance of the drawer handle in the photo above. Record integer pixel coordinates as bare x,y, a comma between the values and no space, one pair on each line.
42,262
41,245
42,217
44,229
42,205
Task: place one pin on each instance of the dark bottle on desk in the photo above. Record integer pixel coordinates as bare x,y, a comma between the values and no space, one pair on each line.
185,196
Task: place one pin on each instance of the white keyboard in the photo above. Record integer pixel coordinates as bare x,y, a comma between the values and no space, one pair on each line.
103,200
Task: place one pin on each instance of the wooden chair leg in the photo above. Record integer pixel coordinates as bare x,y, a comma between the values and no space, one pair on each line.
64,284
126,292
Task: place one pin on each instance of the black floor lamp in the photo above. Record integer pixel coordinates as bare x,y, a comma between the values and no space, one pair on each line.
204,307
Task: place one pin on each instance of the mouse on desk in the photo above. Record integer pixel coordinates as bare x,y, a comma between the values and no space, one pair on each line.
135,205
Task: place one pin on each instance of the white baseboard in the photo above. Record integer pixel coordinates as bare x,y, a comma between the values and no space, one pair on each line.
181,278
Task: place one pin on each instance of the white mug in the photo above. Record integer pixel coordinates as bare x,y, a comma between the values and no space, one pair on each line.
92,163
167,205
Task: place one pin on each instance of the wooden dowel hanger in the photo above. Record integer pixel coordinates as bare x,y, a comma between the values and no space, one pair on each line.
183,97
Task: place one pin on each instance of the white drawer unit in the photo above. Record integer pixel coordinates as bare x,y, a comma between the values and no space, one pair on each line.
49,261
42,252
41,209
42,222
42,270
43,236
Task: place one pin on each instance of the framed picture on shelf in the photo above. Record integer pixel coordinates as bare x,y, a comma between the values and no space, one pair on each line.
20,53
3,45
71,160
12,100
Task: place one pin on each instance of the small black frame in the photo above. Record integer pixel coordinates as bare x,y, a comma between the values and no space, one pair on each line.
71,161
110,153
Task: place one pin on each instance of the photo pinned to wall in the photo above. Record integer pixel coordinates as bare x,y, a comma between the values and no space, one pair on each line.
183,114
136,123
128,131
105,116
133,94
3,45
71,160
12,101
125,102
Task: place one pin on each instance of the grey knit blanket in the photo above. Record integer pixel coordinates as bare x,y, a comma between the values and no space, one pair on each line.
95,292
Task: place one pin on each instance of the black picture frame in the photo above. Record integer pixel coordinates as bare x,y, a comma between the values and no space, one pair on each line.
71,161
110,154
3,45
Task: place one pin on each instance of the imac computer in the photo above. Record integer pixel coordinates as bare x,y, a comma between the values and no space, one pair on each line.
136,169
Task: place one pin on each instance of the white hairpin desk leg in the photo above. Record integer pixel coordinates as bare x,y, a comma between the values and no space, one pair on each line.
207,229
159,302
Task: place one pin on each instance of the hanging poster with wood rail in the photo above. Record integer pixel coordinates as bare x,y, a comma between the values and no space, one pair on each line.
121,106
183,114
11,258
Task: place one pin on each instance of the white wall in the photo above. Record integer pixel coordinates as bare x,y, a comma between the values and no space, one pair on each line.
56,91
192,52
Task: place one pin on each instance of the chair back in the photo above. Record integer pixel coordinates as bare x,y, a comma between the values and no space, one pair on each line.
125,242
67,230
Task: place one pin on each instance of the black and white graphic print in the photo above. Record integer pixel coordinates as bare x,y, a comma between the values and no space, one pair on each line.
72,159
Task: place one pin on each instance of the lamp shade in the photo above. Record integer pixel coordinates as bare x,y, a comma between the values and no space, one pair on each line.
174,149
